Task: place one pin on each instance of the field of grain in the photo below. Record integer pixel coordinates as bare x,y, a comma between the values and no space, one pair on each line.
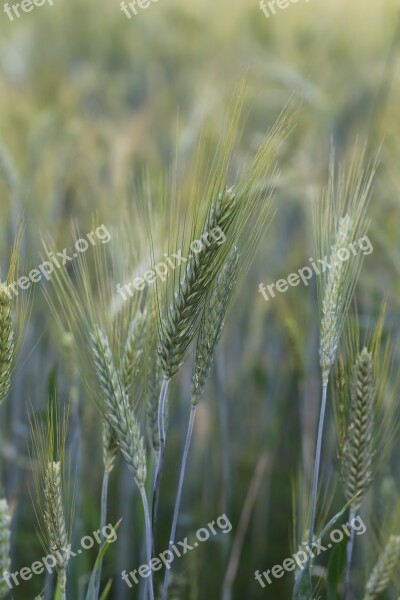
199,300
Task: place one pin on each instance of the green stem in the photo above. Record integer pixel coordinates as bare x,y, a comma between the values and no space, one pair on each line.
148,539
103,517
179,494
317,461
349,552
161,454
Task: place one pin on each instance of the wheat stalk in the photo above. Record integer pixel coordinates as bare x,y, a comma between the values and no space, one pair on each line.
241,212
122,421
178,326
153,386
342,213
210,332
332,311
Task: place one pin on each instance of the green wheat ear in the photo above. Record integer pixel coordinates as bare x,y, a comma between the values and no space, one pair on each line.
332,302
384,569
178,325
54,519
133,351
5,563
358,449
6,343
117,411
212,324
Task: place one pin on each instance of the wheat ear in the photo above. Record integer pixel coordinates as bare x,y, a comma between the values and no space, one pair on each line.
121,419
117,411
211,328
6,342
54,519
358,449
5,563
110,449
333,303
178,325
384,569
134,345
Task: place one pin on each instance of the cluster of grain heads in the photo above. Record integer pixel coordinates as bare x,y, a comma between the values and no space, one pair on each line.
385,569
5,563
340,221
121,419
6,342
54,519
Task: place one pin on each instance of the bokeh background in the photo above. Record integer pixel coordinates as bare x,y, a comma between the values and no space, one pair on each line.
89,101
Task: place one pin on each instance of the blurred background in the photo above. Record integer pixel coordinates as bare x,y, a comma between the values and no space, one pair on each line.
90,100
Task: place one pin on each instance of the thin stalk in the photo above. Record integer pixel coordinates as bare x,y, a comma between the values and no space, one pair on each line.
161,453
317,461
103,517
148,539
223,415
349,552
179,494
64,595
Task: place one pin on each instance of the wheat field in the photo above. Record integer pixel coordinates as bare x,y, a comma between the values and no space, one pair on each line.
199,300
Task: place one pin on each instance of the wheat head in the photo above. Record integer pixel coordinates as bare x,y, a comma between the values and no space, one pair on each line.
178,325
358,450
117,411
384,569
212,324
5,563
54,519
6,343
